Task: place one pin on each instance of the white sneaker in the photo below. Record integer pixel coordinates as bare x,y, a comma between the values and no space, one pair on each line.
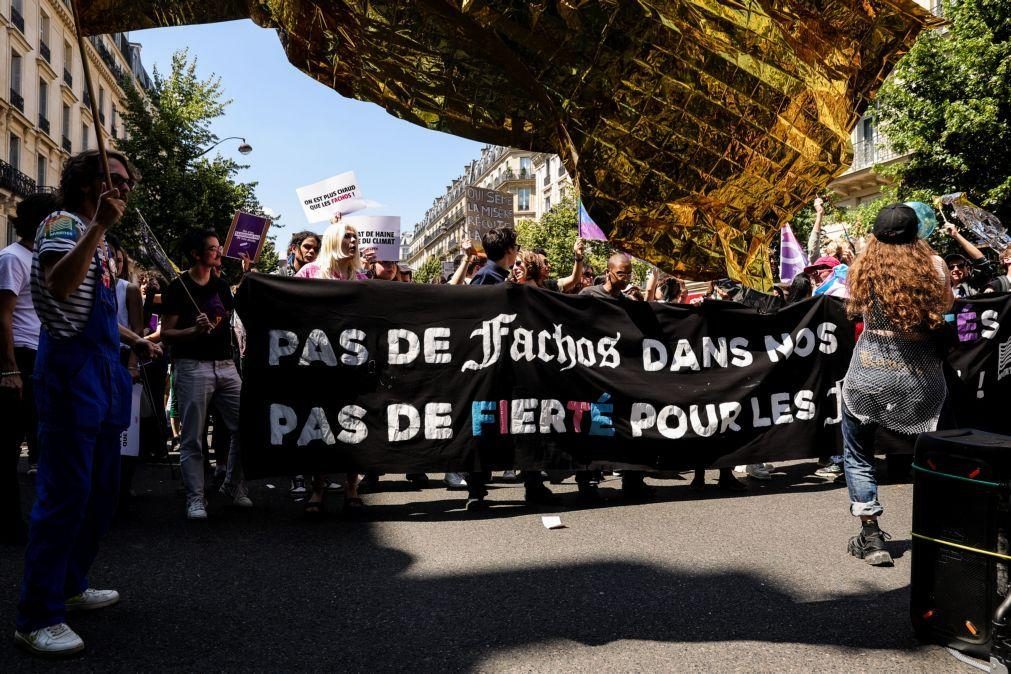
455,481
758,471
334,486
196,509
91,599
237,492
54,641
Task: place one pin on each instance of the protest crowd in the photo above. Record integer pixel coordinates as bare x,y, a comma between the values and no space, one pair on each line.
79,320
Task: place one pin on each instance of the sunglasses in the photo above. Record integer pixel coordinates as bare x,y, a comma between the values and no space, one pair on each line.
956,265
122,181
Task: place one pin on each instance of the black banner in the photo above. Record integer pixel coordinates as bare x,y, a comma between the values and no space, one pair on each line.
979,381
403,377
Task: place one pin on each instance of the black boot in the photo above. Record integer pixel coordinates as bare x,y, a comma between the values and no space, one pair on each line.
869,545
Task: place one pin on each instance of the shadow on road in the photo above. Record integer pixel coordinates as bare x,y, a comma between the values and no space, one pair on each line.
264,590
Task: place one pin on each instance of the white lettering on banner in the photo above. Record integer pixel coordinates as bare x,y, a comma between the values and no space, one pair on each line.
318,350
568,351
281,343
284,421
706,420
438,421
990,324
398,356
353,341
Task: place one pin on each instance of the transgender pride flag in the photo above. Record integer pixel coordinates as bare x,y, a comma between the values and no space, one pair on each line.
588,229
792,259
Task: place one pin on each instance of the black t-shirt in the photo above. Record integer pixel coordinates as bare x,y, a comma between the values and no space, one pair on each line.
552,284
598,291
215,300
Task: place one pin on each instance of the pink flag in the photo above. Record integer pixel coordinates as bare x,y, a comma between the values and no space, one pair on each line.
588,229
792,259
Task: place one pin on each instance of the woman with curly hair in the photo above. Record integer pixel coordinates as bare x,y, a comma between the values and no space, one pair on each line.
900,287
529,269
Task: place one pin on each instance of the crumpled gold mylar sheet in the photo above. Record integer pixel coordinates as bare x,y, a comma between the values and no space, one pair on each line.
694,128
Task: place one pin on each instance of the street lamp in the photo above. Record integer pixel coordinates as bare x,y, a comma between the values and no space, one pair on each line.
244,147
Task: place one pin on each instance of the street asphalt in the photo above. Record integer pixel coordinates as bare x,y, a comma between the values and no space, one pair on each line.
758,581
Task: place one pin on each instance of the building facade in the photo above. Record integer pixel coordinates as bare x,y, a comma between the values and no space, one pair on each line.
45,113
443,230
861,183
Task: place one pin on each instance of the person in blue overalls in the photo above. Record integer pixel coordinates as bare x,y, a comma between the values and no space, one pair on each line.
83,395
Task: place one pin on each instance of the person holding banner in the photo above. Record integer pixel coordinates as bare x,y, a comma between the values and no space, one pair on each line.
339,260
302,249
85,393
901,289
196,323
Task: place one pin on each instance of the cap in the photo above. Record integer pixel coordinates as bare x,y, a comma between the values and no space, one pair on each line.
896,224
823,262
404,268
954,257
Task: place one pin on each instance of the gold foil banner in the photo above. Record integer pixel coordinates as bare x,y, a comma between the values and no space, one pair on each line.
693,128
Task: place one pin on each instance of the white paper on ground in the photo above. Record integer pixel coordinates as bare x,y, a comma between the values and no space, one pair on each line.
552,522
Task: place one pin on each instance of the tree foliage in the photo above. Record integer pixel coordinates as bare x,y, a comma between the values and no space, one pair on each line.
556,233
949,103
430,271
168,131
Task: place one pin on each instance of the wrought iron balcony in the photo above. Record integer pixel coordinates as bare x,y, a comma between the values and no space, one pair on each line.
87,99
43,123
17,20
68,78
44,50
17,100
67,146
15,181
101,116
871,151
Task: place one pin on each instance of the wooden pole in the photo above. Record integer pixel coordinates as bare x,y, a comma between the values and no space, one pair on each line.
91,94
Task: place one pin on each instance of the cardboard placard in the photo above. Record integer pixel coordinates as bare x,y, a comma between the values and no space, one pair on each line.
247,235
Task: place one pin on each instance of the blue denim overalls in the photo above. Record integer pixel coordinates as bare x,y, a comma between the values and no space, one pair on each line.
83,396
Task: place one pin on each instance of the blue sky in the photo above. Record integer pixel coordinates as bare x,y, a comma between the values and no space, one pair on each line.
302,131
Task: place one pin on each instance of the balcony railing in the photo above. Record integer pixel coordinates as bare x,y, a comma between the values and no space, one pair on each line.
15,181
871,151
67,146
44,50
68,78
17,20
87,99
43,123
101,116
115,131
17,100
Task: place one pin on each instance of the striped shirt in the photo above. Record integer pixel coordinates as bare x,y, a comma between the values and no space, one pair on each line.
57,235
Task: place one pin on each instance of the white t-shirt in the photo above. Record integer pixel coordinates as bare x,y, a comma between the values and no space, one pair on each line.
15,276
59,233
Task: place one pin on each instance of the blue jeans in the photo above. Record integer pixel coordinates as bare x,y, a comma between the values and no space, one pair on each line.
858,465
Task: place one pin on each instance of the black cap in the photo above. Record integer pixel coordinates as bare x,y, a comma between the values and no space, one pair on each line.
954,257
896,224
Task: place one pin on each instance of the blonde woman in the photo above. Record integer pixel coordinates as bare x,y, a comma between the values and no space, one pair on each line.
339,260
900,287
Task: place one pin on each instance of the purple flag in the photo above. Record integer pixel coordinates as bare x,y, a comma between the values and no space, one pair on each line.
588,229
792,259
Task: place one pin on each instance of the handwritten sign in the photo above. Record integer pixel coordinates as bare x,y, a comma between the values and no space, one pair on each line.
487,209
325,199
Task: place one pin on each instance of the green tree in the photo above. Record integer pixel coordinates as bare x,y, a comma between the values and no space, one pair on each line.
430,271
949,103
556,233
168,131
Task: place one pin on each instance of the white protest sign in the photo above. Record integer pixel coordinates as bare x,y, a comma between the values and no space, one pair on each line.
325,199
381,232
448,268
129,440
